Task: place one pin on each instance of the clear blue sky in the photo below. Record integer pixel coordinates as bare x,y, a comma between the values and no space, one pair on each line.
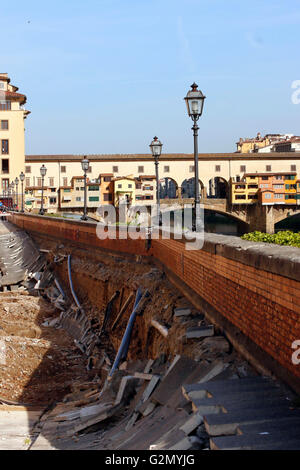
106,76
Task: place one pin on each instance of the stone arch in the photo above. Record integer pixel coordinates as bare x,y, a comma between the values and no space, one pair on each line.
168,188
188,188
218,187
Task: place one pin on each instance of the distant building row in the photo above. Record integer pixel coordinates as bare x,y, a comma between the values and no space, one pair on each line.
269,143
104,190
266,188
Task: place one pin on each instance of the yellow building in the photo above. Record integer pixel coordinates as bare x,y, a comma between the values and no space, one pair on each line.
244,191
251,145
124,190
290,188
12,142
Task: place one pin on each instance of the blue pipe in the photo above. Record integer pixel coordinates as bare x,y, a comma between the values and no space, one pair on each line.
123,349
71,283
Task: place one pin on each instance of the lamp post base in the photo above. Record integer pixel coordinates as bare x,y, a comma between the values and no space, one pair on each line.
84,217
42,212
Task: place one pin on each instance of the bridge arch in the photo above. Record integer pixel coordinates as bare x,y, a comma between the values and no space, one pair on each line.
218,187
188,188
288,215
168,188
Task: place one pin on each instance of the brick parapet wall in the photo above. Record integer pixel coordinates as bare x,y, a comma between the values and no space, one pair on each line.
255,287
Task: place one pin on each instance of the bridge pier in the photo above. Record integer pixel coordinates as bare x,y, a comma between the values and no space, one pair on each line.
261,218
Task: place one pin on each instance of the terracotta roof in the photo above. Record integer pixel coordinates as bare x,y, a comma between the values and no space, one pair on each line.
12,96
280,173
113,158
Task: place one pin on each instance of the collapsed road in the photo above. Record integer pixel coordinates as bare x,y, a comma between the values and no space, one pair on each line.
100,351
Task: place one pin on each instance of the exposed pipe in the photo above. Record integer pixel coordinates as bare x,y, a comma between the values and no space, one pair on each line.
162,329
59,287
71,283
127,335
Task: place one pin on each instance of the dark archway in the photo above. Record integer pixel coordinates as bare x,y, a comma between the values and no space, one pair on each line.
291,222
188,189
218,188
168,188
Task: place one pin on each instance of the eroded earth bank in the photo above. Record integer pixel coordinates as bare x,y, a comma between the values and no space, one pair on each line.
58,349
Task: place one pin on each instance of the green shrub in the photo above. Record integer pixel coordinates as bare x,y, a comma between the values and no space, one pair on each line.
286,238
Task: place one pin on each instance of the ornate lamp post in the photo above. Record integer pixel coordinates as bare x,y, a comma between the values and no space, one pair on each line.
22,178
85,166
12,185
155,147
17,195
43,171
194,102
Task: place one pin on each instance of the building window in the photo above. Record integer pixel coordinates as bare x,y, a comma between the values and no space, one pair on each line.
107,197
27,182
115,169
278,186
4,147
107,179
27,169
278,196
52,200
293,167
243,168
94,198
119,186
89,170
140,169
63,169
5,183
278,177
51,181
217,168
4,125
268,168
5,166
138,185
5,105
130,186
192,168
166,169
93,188
39,182
267,196
265,178
67,190
65,181
78,199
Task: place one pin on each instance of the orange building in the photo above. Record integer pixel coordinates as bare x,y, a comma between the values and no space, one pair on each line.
106,188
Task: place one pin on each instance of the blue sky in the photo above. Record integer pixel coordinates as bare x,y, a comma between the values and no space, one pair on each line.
106,76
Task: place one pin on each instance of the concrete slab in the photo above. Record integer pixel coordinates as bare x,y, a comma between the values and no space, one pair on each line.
251,442
200,332
227,423
181,370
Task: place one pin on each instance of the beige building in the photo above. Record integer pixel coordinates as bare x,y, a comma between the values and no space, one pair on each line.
12,142
176,171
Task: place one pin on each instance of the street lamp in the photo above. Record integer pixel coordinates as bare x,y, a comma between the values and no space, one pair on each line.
17,195
85,166
194,103
22,178
12,185
155,147
43,171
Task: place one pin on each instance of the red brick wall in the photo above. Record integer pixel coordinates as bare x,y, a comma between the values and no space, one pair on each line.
263,305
